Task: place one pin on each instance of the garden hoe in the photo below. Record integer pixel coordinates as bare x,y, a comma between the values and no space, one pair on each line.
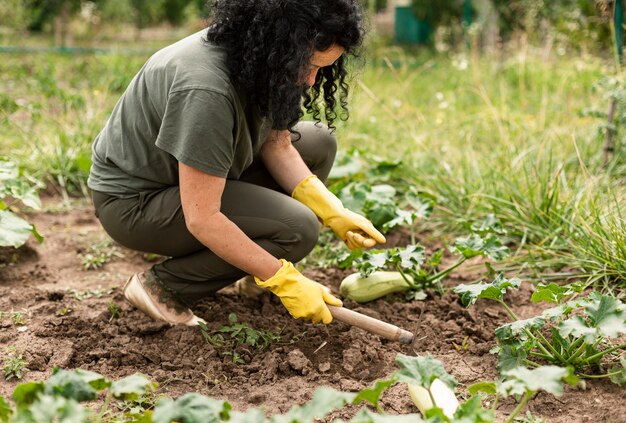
375,326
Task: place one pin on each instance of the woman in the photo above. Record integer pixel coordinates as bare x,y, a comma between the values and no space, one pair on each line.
203,159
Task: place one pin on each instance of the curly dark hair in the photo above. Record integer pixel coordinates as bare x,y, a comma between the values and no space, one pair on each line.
270,44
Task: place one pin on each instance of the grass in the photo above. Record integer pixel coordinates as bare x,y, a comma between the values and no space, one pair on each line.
503,134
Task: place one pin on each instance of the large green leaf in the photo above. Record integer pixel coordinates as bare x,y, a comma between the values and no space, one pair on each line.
252,415
191,408
608,316
27,393
14,231
5,410
422,370
131,387
372,394
554,293
52,409
77,384
494,290
518,328
521,380
577,327
471,411
476,245
324,401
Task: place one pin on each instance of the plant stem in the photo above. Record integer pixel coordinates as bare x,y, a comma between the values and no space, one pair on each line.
511,313
444,273
519,407
599,376
105,406
578,353
601,353
495,403
572,346
411,284
544,356
551,348
532,363
432,398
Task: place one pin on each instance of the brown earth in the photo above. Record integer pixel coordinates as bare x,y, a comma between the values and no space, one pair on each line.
44,281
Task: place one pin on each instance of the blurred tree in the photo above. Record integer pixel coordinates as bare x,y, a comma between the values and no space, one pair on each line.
174,10
377,5
437,12
59,12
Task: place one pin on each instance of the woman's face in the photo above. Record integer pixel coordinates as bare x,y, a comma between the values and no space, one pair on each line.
321,59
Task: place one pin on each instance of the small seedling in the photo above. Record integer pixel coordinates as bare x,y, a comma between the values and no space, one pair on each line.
13,364
19,317
63,311
464,346
113,309
90,293
100,254
237,336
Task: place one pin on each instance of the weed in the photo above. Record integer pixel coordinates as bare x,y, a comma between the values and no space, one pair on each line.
463,347
113,309
90,293
234,339
63,311
19,317
13,364
99,254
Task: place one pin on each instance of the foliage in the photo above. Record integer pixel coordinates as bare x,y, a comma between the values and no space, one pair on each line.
13,364
99,254
14,188
420,271
581,330
60,396
237,339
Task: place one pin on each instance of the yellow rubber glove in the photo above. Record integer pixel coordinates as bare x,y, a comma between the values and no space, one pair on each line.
355,230
301,296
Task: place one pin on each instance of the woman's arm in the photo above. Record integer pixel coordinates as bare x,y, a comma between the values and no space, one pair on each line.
283,161
200,195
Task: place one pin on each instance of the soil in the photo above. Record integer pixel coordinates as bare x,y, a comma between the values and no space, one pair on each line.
68,323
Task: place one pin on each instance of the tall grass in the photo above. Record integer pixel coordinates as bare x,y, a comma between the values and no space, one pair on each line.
505,135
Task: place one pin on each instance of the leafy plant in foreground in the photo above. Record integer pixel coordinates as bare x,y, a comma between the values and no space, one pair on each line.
59,398
579,332
14,187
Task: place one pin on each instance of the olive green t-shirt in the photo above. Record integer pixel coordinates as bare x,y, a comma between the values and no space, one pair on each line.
181,106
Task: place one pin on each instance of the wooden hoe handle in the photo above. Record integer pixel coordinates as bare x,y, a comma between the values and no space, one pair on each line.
375,326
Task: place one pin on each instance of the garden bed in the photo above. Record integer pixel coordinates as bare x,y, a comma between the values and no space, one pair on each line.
56,313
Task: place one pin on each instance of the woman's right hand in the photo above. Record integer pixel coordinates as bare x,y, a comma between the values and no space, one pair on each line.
301,296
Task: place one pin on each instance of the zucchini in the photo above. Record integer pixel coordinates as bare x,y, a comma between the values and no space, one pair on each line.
442,393
378,284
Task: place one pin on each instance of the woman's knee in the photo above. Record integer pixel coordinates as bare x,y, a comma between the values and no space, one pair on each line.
305,229
317,146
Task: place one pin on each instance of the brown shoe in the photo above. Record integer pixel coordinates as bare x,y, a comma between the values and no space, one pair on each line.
153,299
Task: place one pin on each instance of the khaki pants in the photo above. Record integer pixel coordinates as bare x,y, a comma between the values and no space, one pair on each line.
153,221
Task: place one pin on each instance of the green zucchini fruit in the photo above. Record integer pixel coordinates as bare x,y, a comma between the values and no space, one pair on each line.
378,284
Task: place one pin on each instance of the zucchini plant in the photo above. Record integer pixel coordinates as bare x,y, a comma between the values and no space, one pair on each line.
382,272
14,189
579,333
